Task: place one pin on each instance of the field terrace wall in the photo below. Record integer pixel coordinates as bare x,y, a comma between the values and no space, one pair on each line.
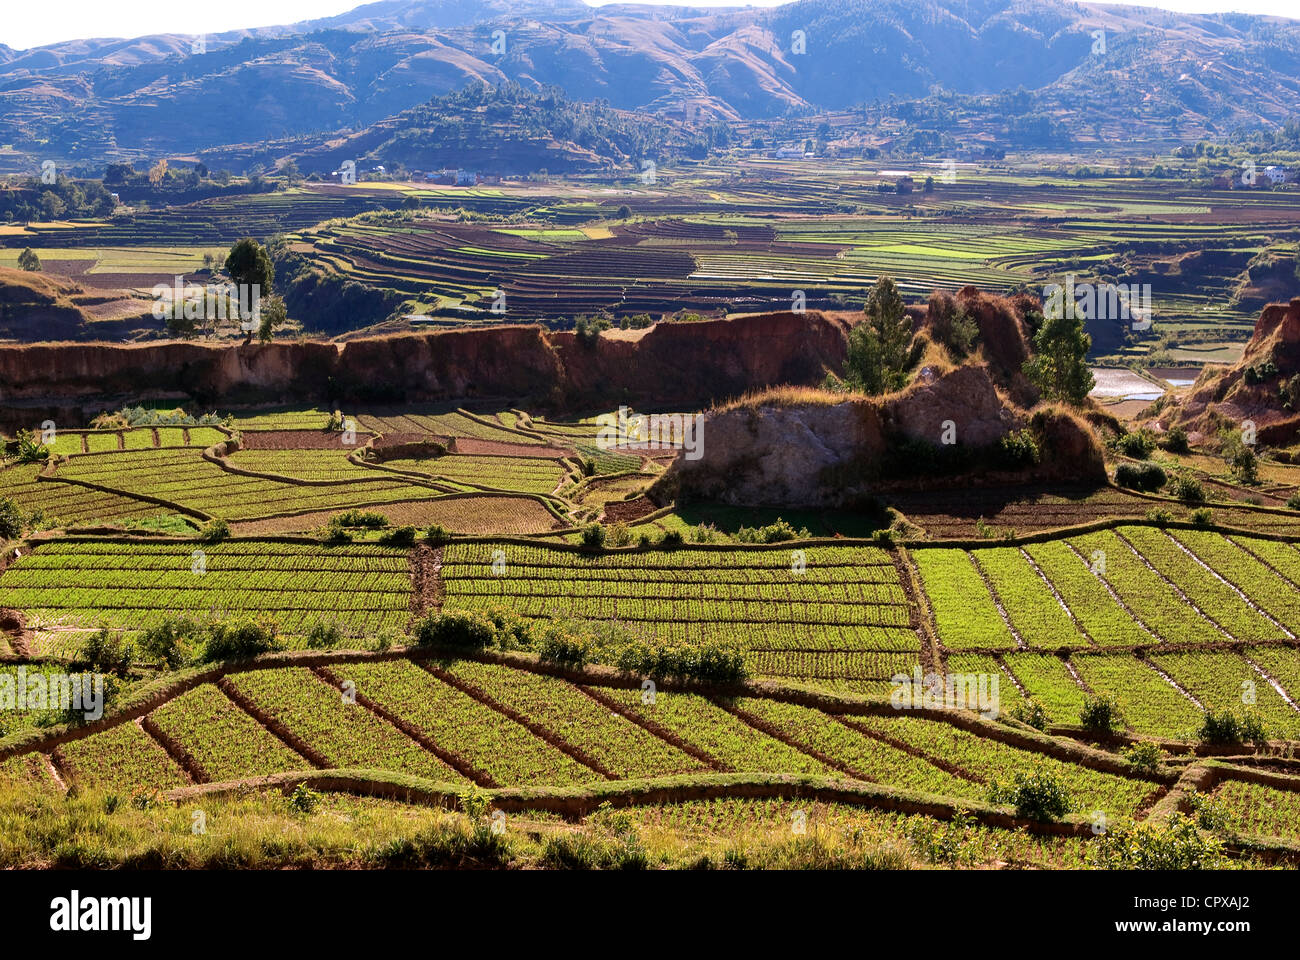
688,363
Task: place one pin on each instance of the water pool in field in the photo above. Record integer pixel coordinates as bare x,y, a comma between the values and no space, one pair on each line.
1113,383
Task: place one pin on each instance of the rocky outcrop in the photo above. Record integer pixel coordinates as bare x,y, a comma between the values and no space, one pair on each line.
682,365
1255,389
810,450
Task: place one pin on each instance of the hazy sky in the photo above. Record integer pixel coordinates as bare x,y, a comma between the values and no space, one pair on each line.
28,23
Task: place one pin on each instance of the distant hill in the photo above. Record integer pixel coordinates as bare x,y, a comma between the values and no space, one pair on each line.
1132,68
503,130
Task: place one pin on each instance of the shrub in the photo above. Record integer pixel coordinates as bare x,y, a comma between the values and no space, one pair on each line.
1159,515
1211,814
11,519
455,628
371,519
173,642
1031,712
387,638
325,636
777,532
1293,502
1186,487
1138,445
1174,845
564,649
619,535
1140,476
303,799
30,449
106,651
1203,517
1230,727
334,533
1100,715
1017,449
238,639
1039,796
513,632
1244,465
402,536
593,536
671,540
1175,440
707,663
214,531
1144,756
437,535
704,533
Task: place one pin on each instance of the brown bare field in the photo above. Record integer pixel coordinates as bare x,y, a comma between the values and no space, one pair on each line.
956,513
297,440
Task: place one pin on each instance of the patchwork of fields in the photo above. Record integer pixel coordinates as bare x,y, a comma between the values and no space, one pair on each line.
495,725
1169,623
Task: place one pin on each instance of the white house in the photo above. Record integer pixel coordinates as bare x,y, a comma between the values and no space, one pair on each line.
1275,174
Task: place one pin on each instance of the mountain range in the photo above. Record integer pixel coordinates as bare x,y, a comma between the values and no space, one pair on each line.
87,101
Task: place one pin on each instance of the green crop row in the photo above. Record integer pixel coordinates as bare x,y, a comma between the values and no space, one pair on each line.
345,734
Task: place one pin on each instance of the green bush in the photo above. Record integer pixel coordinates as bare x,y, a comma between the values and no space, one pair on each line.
304,800
455,628
371,519
1174,845
513,632
778,532
564,649
325,636
214,531
437,535
671,540
174,642
1187,488
1229,727
593,536
1144,756
1041,796
234,640
1031,712
1138,445
1175,440
399,536
11,519
1140,476
706,663
1100,715
1293,502
1017,450
1203,517
107,651
30,449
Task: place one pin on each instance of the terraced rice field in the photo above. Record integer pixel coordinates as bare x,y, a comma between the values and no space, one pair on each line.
500,725
1209,620
845,614
184,478
89,583
67,503
525,474
957,514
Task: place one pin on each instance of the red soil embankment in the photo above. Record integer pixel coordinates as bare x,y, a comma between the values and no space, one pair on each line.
672,364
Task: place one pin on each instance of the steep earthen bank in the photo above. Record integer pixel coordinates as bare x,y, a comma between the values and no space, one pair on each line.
816,451
1257,388
689,364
